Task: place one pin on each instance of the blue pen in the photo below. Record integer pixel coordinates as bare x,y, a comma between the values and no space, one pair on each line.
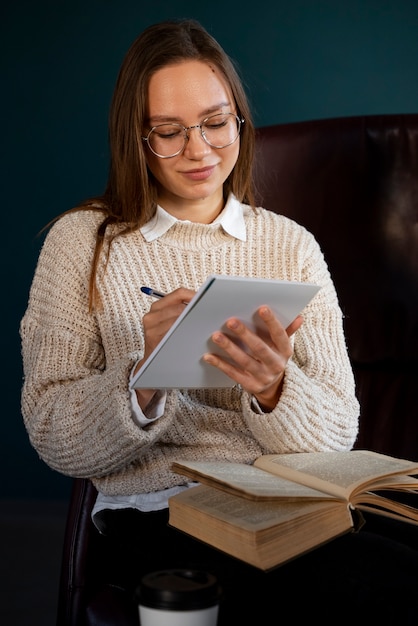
151,292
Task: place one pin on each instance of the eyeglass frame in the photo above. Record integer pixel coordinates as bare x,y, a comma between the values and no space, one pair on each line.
240,121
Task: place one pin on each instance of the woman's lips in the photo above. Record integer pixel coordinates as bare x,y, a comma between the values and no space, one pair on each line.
199,174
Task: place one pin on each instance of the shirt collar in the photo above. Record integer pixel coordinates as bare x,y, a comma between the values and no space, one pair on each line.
231,219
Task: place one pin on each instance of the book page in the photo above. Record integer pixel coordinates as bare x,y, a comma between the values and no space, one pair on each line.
246,480
338,473
246,513
376,503
396,482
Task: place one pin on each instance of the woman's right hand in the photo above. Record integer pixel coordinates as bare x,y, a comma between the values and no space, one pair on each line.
159,319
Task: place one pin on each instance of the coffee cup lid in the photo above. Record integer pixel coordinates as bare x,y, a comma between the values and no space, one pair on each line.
178,589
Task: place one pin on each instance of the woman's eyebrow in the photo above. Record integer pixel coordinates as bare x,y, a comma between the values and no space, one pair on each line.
172,118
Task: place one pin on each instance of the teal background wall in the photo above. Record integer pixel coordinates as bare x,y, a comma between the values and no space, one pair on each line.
59,61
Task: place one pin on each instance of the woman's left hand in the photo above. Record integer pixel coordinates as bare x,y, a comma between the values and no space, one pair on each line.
260,367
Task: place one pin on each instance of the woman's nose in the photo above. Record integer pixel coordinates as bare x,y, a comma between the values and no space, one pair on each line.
196,146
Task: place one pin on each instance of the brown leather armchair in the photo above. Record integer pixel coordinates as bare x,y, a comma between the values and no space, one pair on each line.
353,182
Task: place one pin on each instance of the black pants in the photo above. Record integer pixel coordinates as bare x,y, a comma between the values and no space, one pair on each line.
371,574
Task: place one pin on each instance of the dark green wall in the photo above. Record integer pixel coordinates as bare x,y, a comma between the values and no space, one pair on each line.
300,60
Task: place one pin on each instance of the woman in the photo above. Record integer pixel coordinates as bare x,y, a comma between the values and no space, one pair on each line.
179,205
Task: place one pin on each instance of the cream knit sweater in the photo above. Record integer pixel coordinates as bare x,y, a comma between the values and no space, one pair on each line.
75,399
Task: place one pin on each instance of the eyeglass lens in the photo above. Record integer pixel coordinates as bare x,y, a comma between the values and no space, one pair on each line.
218,131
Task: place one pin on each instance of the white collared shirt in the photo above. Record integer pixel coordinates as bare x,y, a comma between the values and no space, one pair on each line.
231,218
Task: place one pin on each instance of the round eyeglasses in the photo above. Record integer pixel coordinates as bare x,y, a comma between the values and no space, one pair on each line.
218,131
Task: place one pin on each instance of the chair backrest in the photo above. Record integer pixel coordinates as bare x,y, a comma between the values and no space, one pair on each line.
353,182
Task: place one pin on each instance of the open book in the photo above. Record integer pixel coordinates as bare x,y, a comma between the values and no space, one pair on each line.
287,504
176,362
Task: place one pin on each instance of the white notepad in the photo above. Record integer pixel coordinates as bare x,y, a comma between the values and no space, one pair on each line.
176,361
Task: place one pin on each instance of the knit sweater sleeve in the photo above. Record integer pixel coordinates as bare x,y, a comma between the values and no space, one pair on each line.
318,409
75,403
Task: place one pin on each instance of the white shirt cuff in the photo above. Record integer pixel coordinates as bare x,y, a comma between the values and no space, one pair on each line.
154,410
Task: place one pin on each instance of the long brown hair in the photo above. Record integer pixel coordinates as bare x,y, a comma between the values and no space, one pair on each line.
130,198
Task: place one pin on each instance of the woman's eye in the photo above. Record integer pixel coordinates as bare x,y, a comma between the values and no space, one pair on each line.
168,134
217,124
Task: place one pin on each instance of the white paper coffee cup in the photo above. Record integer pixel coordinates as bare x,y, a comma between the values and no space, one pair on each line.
179,597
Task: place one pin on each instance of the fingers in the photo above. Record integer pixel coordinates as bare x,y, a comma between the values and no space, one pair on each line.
255,361
294,326
274,325
162,315
180,296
